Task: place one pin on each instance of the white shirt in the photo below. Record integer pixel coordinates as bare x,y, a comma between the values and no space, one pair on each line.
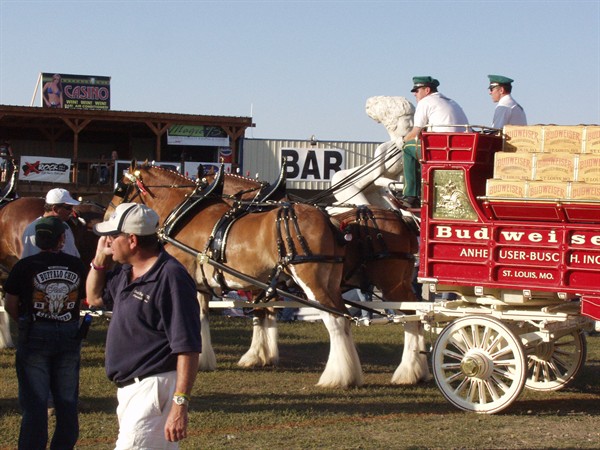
508,112
28,240
436,110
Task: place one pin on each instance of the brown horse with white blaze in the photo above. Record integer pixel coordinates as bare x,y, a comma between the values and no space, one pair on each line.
379,252
297,240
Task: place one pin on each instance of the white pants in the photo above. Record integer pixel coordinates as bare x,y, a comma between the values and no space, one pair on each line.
142,412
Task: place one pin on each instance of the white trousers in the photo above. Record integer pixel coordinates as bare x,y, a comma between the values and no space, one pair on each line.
142,412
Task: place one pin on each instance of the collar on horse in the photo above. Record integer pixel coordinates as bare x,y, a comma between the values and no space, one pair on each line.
373,246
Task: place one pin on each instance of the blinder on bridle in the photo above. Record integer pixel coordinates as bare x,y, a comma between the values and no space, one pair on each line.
121,189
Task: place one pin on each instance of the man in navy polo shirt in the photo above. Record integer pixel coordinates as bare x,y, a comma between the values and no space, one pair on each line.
153,341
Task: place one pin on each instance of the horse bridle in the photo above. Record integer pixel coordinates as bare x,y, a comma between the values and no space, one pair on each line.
123,190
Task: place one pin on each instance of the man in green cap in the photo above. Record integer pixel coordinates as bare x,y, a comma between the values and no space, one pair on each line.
436,112
508,111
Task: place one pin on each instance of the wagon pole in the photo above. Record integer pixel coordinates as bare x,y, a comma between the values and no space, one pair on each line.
389,317
204,258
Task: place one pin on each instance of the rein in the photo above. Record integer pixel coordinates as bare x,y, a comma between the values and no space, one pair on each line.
393,152
203,258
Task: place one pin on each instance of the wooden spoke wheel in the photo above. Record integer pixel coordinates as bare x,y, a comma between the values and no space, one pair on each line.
479,364
553,365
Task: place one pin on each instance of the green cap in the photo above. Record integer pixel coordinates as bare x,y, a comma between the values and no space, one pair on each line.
48,230
497,80
419,82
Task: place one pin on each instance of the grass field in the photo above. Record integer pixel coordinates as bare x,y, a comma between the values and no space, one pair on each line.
281,408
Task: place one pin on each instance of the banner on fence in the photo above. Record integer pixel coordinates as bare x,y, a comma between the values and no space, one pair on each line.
307,164
43,168
197,135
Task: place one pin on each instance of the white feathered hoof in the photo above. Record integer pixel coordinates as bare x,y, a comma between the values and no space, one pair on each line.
208,359
264,350
413,368
343,365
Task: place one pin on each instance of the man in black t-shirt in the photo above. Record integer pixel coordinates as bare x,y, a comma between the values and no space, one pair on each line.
43,294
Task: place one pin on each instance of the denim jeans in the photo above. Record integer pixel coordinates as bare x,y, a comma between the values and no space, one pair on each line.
48,359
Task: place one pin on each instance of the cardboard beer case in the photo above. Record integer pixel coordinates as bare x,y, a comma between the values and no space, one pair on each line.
506,188
555,166
548,190
584,191
523,138
563,139
588,168
513,165
591,142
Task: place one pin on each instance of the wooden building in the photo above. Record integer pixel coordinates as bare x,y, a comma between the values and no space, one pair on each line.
89,137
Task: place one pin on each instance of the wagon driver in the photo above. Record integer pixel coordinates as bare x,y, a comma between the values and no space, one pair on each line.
436,112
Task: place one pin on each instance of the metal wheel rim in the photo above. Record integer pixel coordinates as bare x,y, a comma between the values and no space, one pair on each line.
553,365
479,364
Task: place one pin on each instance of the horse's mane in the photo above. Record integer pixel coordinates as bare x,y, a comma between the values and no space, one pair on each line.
163,171
176,175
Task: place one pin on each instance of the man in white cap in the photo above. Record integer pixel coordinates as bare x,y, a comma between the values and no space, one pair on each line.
59,203
508,111
153,341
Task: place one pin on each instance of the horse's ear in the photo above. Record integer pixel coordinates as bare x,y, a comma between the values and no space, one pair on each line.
132,166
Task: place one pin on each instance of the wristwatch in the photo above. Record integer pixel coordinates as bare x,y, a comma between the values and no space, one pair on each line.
181,399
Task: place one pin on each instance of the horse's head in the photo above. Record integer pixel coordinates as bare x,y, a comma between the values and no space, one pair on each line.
160,189
395,113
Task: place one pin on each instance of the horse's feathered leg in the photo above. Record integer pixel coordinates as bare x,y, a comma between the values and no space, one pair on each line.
5,338
413,368
343,365
208,360
263,349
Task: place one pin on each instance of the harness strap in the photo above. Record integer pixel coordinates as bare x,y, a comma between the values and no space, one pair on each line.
203,258
189,204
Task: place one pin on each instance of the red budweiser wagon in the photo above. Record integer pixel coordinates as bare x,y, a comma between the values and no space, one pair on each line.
523,256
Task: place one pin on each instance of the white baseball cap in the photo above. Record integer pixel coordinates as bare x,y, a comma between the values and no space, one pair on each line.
60,196
132,218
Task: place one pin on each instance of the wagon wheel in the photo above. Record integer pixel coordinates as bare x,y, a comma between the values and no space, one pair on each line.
479,364
553,365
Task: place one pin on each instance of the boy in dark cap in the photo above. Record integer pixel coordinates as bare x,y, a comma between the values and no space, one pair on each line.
508,111
43,294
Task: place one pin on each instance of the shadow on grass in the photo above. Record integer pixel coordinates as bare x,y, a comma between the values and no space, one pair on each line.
362,400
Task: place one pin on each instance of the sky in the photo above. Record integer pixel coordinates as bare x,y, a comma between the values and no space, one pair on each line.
303,68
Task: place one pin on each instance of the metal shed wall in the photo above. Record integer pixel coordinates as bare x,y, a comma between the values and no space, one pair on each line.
260,158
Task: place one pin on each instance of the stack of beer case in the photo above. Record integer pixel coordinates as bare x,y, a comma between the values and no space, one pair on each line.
548,162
